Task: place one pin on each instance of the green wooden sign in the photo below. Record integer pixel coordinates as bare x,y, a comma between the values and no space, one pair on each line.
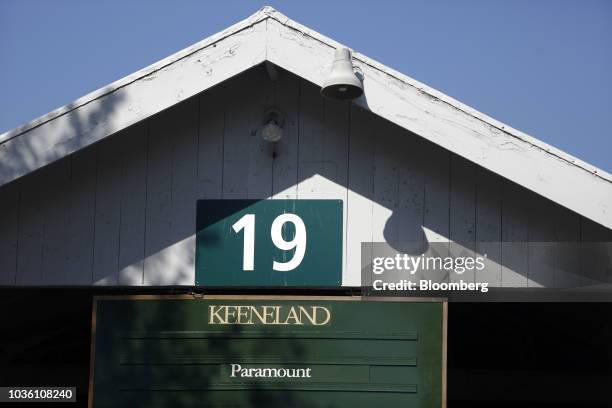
267,352
269,243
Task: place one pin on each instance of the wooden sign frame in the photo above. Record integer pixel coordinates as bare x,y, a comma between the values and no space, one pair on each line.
196,297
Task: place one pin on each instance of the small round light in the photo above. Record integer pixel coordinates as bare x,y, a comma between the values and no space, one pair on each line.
271,132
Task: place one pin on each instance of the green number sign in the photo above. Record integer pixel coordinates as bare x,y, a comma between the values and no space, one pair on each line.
269,243
274,352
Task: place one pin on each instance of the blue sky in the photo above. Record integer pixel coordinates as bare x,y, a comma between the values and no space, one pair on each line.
543,67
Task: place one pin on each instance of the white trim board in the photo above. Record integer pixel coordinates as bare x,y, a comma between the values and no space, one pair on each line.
270,36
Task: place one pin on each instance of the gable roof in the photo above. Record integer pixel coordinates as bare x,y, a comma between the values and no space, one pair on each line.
270,36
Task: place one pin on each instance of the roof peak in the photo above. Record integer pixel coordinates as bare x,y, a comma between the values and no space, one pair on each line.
267,12
267,9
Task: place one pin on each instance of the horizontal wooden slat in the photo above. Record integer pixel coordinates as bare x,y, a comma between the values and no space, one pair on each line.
311,361
290,386
296,335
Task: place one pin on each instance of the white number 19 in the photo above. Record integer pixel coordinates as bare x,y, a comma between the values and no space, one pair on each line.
247,222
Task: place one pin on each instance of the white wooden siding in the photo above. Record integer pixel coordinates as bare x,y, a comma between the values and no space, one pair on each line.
107,223
359,206
488,213
285,165
462,207
9,232
122,212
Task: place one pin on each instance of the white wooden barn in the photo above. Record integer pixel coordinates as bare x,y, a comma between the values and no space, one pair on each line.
103,191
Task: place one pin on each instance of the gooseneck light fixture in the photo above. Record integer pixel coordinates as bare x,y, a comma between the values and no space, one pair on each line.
342,83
